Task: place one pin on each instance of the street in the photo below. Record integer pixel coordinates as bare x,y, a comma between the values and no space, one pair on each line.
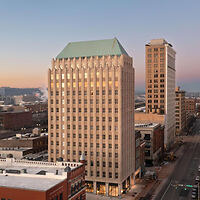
185,170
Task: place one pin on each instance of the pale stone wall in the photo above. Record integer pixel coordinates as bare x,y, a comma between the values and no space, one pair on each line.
91,111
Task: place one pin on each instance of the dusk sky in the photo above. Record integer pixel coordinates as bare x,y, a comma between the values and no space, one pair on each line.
34,32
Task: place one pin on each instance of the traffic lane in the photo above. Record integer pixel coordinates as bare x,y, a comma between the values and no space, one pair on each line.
180,171
171,176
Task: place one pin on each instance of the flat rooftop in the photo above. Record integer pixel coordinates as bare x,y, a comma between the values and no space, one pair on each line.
29,183
27,174
147,125
27,136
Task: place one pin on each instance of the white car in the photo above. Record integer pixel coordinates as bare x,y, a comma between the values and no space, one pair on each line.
197,178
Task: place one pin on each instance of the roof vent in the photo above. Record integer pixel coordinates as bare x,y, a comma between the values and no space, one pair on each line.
67,169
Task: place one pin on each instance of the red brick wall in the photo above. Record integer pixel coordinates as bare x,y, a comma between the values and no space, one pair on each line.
17,120
158,139
19,194
57,190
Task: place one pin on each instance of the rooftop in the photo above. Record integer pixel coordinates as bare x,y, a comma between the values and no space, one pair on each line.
92,48
147,125
27,174
159,42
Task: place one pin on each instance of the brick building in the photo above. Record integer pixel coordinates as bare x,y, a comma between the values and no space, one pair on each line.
22,180
190,105
36,143
15,120
180,112
37,108
153,135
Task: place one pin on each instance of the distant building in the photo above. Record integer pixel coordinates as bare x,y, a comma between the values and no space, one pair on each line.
15,120
37,107
91,110
190,105
21,145
23,180
143,118
180,112
160,84
153,136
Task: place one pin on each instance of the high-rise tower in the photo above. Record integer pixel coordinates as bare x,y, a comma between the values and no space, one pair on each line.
91,110
160,84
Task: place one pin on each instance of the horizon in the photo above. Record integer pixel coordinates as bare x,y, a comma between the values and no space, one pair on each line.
32,35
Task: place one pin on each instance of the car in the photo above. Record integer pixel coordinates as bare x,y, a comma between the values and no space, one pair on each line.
194,196
197,179
194,189
195,186
194,193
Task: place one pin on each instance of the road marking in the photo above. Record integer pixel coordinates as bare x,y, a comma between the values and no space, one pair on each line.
166,190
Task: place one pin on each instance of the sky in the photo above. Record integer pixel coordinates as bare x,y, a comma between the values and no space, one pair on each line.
32,32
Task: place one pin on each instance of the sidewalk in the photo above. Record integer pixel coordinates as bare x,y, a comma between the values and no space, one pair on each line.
150,189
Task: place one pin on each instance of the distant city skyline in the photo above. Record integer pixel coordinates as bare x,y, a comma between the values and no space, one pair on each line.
32,32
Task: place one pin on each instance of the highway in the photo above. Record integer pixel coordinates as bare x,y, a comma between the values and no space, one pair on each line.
185,170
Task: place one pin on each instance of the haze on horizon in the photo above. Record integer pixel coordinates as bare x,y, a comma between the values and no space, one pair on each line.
34,32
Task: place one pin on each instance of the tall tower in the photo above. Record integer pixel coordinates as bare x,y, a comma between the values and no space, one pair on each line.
160,84
91,111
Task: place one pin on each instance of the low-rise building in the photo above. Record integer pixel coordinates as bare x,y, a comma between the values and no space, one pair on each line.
153,135
34,142
22,180
139,155
15,120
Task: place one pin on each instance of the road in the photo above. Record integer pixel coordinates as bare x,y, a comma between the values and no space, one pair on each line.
185,170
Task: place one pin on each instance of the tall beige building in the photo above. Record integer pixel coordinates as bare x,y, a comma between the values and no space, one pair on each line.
91,110
180,112
160,84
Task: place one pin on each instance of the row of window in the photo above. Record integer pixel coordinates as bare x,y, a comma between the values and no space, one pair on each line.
156,81
80,100
156,91
103,174
85,110
85,92
156,96
80,152
85,75
74,118
86,136
155,101
85,127
155,55
155,49
86,144
156,86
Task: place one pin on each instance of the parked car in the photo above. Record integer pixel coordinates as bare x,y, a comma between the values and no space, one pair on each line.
197,179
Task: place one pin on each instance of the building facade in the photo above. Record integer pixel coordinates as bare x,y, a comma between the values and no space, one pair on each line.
15,120
153,136
190,105
180,112
160,84
91,110
22,180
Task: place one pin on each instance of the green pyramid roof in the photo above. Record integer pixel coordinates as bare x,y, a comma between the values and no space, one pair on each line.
92,48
